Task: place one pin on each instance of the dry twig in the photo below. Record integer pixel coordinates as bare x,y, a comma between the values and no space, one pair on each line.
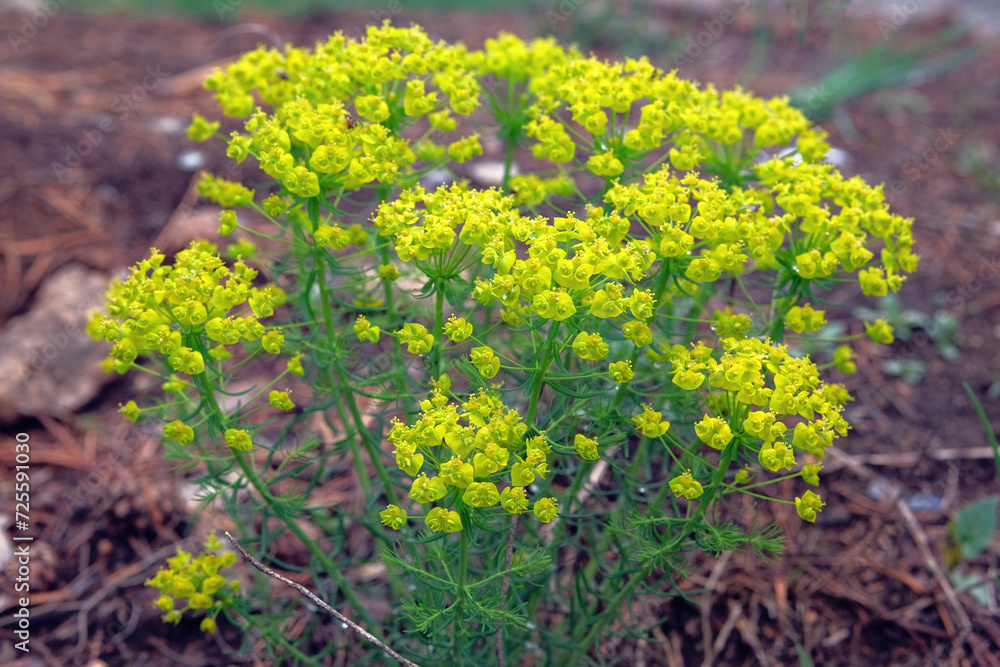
319,602
706,607
920,537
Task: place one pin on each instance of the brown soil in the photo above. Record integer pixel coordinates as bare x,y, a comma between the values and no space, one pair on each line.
91,116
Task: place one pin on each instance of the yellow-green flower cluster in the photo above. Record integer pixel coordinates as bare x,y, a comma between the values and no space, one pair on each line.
693,125
687,486
555,268
757,386
650,422
529,189
172,309
804,319
568,261
808,505
224,192
835,218
335,112
508,56
448,214
197,580
828,221
468,452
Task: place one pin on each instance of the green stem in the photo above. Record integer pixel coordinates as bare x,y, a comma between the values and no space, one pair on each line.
706,500
538,376
574,488
661,287
345,383
463,572
508,160
366,438
513,134
438,334
276,637
359,464
597,629
205,388
328,565
394,321
605,617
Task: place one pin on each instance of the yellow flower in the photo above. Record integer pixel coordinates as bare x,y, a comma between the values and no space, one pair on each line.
416,338
880,332
280,400
650,423
393,516
590,346
239,439
201,129
481,494
443,521
586,447
130,410
687,486
179,432
546,509
808,505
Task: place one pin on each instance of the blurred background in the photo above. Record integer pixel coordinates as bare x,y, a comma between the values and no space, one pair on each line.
95,168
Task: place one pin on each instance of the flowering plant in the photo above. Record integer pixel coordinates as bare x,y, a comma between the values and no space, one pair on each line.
606,344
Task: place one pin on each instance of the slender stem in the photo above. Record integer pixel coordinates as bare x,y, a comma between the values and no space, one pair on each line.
508,563
463,573
512,137
661,287
328,565
706,500
206,390
597,629
438,334
366,438
508,160
390,306
268,632
574,489
538,376
359,464
690,524
345,383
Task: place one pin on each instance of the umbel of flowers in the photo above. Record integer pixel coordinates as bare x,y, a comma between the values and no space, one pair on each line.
469,451
196,582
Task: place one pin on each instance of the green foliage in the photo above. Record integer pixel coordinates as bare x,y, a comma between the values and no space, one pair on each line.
547,391
974,526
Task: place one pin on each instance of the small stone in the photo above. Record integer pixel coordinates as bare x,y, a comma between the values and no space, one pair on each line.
49,364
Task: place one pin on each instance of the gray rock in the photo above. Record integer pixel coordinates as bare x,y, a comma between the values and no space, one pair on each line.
48,363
